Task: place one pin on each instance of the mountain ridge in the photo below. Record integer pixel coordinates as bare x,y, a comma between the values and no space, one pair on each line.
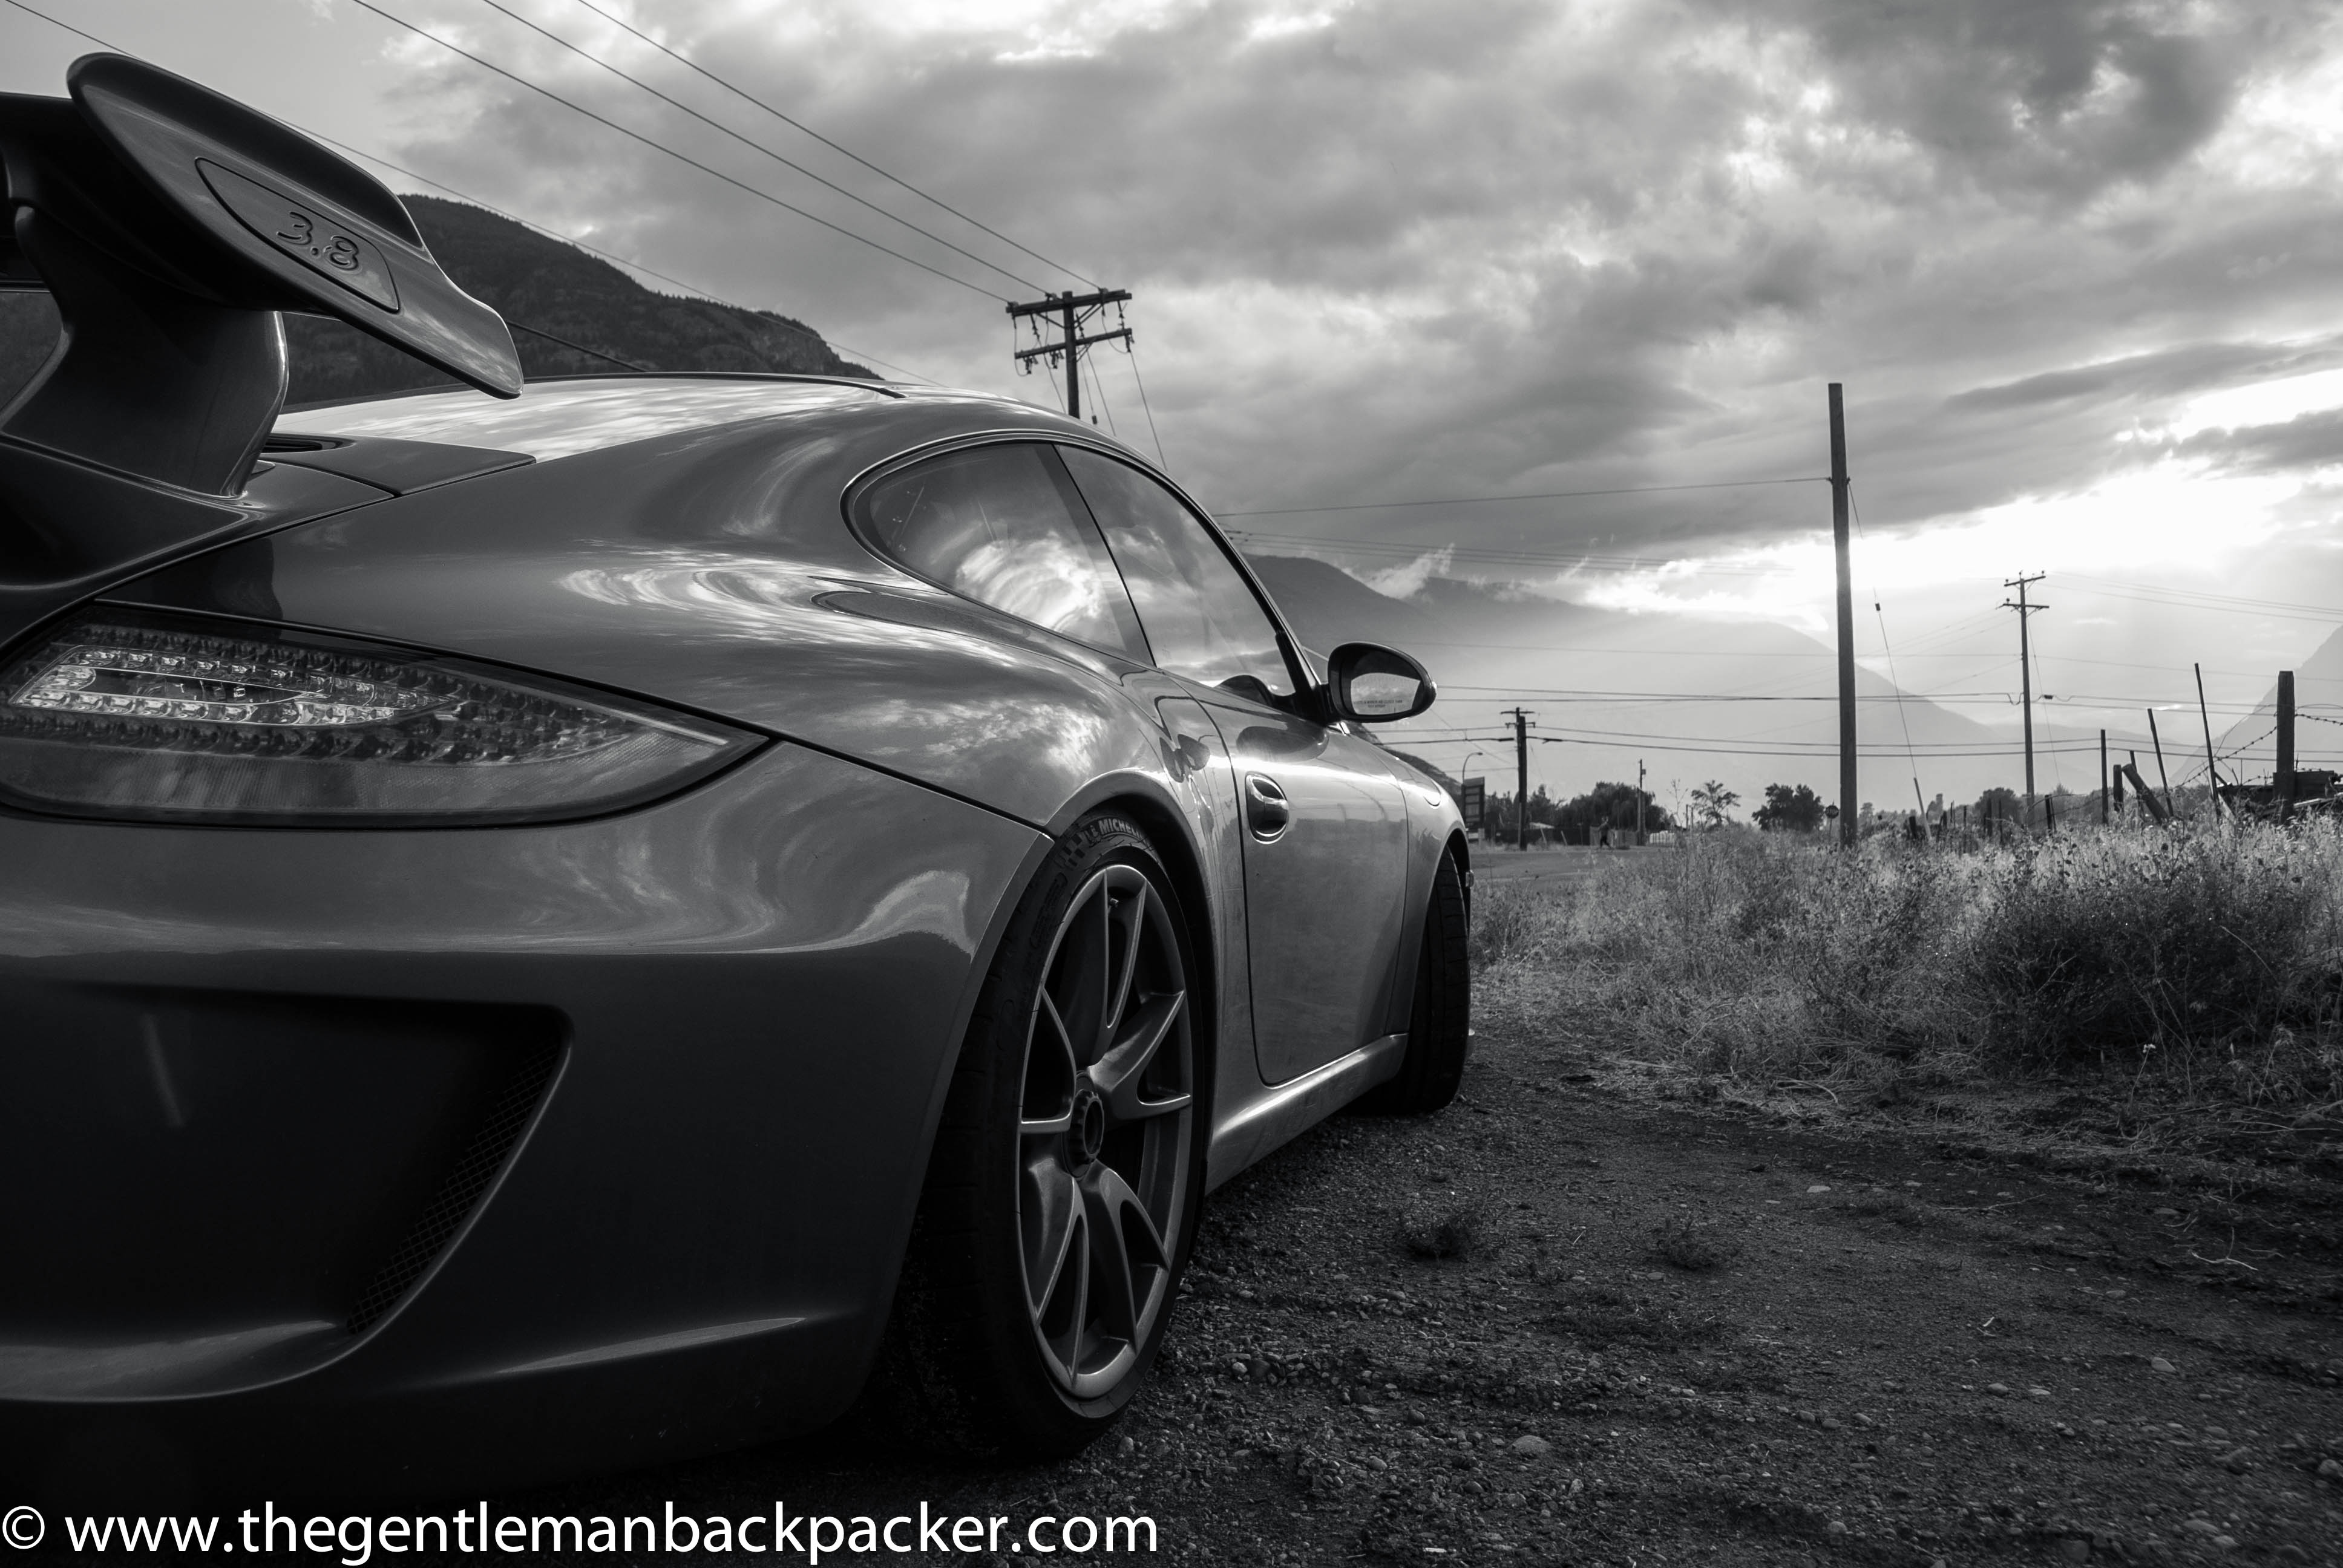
1751,702
533,281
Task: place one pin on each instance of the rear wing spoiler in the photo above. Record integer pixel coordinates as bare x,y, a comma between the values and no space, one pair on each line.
172,225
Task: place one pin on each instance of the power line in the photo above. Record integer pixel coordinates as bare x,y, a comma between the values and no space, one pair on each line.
2213,600
747,142
1726,745
525,223
2182,598
625,261
1820,751
1886,649
1098,388
1391,550
1581,694
747,96
580,347
1130,351
1541,495
712,172
1311,548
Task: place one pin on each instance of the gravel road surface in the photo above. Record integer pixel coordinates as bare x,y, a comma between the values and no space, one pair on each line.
1566,1322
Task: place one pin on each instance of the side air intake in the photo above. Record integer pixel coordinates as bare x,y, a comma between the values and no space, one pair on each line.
173,225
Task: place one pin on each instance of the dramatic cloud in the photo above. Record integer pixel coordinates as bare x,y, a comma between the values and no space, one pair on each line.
1383,249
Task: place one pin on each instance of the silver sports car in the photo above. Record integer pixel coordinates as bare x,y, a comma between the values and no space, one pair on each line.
570,924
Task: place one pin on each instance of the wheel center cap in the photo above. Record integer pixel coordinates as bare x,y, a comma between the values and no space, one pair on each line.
1088,1125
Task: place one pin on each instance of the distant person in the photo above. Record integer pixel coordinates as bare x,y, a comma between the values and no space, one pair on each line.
1605,842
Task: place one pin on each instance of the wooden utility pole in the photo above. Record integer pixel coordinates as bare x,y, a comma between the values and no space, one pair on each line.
1522,777
1639,802
1847,788
2025,676
2212,774
2285,746
2103,778
1071,310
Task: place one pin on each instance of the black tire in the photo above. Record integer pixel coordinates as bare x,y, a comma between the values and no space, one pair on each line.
1440,1025
972,1362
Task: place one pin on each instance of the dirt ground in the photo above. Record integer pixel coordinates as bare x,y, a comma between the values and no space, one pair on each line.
1567,1322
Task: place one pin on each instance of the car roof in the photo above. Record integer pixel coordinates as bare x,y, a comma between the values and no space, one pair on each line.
561,417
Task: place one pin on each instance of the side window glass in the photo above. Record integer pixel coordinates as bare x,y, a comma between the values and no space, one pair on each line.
1199,614
1002,525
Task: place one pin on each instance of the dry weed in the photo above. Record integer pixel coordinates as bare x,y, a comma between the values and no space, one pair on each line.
2207,961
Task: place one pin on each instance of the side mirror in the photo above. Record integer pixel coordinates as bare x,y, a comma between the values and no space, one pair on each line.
1373,685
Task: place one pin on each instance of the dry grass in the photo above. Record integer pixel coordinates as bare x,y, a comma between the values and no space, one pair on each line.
2206,963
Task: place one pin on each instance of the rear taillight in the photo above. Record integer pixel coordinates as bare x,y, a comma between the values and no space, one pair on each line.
128,715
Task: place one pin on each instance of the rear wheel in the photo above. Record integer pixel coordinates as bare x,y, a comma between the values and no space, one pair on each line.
1440,1025
1062,1191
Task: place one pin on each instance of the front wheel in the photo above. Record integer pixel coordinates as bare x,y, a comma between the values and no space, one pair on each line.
1062,1191
1440,1025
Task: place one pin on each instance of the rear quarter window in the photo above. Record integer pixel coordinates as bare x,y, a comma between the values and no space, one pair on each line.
1003,526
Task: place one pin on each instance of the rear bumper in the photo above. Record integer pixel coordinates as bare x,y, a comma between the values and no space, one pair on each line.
381,1161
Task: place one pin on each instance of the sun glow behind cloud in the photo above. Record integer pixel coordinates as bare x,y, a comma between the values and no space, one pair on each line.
2172,520
2077,268
2261,402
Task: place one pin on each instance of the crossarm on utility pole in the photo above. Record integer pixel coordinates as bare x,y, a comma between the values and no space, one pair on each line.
1070,302
1072,311
1054,349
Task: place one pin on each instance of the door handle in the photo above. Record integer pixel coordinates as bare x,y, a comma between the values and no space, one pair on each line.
1267,811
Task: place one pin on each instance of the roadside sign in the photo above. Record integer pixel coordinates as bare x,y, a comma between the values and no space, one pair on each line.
1476,793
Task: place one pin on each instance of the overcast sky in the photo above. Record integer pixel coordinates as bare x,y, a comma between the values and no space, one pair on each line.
2076,264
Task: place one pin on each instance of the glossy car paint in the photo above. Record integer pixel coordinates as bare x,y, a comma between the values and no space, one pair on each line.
760,984
1324,892
70,515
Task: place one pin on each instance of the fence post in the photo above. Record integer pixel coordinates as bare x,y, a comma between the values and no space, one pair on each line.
2285,746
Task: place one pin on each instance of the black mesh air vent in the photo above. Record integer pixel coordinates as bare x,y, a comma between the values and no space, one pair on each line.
477,1166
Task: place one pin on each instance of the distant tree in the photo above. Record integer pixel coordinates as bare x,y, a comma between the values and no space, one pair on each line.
1710,802
1999,805
1789,809
1505,816
1612,804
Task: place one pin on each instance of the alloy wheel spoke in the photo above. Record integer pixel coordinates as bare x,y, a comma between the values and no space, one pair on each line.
1051,1065
1083,1263
1080,973
1125,1240
1119,1074
1134,923
1056,1216
1096,1262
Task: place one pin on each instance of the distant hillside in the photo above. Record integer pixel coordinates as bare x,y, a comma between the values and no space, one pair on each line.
1750,702
529,279
2319,707
1328,606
